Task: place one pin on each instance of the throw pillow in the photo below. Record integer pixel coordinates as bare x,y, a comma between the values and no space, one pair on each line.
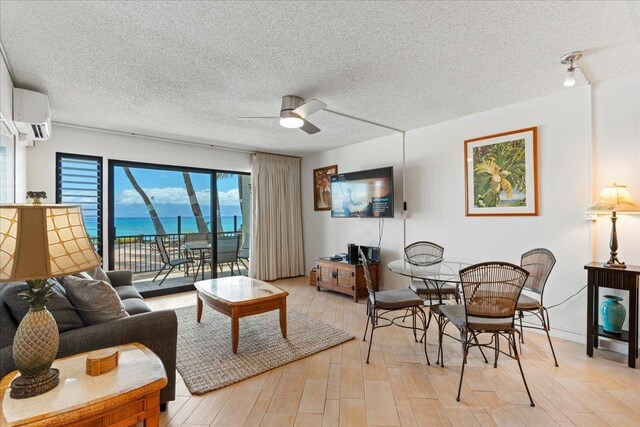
96,273
95,300
58,305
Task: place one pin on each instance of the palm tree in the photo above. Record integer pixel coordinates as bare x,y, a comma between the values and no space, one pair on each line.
218,217
157,225
195,206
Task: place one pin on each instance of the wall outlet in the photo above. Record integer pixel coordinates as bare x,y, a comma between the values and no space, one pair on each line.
590,216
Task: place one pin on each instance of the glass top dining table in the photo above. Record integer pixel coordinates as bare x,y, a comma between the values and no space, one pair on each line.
444,271
435,275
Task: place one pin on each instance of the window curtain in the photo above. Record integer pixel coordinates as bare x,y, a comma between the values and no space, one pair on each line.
276,229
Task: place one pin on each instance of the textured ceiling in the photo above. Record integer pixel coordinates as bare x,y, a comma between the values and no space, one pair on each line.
187,69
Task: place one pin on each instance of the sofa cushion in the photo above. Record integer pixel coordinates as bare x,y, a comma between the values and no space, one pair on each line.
8,324
135,306
127,292
96,301
58,305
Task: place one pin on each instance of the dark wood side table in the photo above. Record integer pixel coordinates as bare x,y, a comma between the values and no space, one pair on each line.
627,279
341,276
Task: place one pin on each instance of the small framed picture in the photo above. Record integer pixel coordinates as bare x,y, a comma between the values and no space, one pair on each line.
322,187
501,175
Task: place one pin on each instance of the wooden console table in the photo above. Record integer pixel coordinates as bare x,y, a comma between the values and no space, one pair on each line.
341,276
627,279
122,397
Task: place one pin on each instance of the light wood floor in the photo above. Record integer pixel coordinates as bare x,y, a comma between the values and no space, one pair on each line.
337,388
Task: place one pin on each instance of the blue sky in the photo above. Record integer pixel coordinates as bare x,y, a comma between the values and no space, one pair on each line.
167,191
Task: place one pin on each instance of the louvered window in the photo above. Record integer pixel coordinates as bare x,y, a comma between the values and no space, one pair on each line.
79,182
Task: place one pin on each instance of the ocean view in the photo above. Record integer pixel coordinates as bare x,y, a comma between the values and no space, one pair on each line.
133,226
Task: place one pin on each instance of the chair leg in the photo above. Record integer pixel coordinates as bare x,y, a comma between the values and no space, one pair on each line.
441,325
424,334
544,314
475,339
373,328
195,275
413,315
423,317
160,271
166,275
496,337
463,339
364,337
521,315
512,343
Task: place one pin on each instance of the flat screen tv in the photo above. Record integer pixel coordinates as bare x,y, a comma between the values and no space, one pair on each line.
363,194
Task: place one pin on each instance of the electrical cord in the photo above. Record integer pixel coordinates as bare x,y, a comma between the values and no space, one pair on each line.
567,299
380,230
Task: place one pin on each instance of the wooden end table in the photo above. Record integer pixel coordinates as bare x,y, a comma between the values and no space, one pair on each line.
240,296
122,397
627,279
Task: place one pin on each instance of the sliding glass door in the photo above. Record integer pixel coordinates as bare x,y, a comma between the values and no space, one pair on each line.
162,214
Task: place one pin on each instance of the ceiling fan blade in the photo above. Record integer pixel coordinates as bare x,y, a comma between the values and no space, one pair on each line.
309,128
251,118
309,108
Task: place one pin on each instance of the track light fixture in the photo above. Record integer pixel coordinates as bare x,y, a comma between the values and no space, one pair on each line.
572,60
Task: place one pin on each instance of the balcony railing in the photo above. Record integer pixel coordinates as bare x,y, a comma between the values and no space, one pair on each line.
140,253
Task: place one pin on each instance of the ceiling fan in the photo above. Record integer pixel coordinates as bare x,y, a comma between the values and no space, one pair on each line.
293,113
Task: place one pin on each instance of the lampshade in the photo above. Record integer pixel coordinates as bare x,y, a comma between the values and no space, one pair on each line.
615,198
42,241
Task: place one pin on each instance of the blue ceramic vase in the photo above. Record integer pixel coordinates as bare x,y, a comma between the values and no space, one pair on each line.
613,314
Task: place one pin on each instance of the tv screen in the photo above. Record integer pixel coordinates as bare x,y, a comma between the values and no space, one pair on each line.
364,194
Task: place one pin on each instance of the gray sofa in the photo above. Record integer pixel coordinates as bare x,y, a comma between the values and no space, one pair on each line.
158,330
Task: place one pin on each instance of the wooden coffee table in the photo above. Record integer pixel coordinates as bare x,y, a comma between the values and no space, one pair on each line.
240,296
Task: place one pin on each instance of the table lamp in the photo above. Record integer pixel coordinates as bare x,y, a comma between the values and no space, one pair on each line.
614,199
38,242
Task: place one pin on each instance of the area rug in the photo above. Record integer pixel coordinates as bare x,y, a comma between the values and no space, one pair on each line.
205,359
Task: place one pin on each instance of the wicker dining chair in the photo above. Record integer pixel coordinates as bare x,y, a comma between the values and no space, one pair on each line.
539,263
428,253
425,253
379,304
490,293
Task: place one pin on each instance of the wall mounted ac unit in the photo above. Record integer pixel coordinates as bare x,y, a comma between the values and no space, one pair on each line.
31,115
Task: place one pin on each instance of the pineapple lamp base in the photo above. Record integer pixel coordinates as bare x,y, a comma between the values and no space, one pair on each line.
23,387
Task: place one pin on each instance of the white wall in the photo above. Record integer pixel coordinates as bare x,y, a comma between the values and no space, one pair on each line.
617,159
435,190
6,106
41,160
324,236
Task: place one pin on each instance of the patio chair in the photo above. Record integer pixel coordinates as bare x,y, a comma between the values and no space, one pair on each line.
196,255
490,293
539,263
196,237
227,253
168,262
245,250
381,303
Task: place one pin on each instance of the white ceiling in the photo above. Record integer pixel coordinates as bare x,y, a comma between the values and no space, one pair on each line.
187,69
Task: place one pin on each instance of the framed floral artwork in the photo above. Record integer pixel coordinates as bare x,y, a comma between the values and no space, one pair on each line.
322,187
501,174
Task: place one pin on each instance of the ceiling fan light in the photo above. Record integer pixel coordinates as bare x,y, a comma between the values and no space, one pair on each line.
291,122
570,78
